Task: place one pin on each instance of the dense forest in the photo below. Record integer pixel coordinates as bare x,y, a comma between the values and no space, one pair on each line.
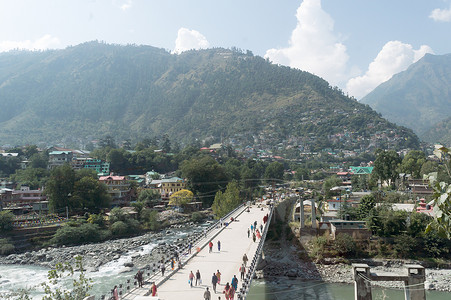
132,92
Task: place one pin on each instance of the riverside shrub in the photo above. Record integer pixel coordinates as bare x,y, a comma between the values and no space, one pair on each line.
6,247
85,233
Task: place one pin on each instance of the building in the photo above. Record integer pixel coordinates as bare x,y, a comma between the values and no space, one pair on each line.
425,208
59,158
98,165
356,229
21,201
168,186
118,188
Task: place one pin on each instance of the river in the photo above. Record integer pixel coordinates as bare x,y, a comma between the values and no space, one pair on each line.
293,289
14,277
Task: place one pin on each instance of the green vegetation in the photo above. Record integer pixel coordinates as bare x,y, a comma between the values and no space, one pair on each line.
76,190
6,219
6,247
81,285
191,96
227,201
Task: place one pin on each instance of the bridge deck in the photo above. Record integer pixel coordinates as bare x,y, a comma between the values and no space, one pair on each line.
234,243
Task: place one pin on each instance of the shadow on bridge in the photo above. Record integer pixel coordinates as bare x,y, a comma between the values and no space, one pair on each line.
288,271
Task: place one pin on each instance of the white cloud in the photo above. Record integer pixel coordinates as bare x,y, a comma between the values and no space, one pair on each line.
123,4
313,46
394,57
45,42
189,39
126,5
441,15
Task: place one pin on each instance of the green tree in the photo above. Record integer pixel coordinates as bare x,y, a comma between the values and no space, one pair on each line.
149,196
181,197
205,177
274,171
60,186
412,163
91,194
6,220
81,285
35,178
386,166
117,159
329,183
166,144
441,196
227,201
366,205
38,160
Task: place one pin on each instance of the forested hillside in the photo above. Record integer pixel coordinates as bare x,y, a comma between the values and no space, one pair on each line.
418,98
131,92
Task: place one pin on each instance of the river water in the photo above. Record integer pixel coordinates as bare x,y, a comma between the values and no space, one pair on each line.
14,277
293,289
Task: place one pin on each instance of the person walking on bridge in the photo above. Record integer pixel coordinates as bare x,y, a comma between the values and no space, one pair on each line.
219,246
214,281
191,278
242,271
162,268
207,294
198,279
218,274
153,289
210,245
245,259
234,282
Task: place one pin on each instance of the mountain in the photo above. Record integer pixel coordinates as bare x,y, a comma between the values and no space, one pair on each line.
131,92
417,98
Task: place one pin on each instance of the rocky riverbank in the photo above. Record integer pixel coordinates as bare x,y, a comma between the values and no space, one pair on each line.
284,259
96,255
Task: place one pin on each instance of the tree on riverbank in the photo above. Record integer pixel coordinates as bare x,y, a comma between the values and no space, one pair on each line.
227,201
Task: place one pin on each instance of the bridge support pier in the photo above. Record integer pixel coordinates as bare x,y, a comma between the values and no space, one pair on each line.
413,282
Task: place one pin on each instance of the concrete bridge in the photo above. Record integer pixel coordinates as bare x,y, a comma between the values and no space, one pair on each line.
235,242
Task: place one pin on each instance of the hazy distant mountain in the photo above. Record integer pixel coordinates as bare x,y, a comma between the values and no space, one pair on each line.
94,89
417,98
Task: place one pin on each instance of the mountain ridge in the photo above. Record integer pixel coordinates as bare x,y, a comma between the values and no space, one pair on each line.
418,97
95,89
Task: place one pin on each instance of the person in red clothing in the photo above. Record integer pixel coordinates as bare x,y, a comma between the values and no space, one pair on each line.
211,246
153,290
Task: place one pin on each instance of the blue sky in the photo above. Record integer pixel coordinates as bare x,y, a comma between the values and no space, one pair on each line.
353,44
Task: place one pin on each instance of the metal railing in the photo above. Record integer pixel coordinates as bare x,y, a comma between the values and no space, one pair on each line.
251,270
198,241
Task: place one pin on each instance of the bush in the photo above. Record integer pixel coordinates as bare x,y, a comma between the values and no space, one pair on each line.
6,247
404,246
151,219
344,244
85,233
133,226
319,245
119,228
197,217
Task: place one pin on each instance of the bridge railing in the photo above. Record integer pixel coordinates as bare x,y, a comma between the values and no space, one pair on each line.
198,241
256,258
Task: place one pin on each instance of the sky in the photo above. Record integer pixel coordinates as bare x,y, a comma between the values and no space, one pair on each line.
353,44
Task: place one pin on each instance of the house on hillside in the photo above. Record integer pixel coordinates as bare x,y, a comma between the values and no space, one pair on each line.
168,186
118,188
59,158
